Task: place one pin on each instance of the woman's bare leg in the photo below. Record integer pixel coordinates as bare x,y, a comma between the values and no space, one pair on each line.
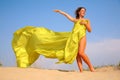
79,63
82,46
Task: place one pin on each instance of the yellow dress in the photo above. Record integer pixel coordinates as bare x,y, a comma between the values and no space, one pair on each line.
30,42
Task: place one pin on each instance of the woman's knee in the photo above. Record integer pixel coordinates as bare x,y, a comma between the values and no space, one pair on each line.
81,53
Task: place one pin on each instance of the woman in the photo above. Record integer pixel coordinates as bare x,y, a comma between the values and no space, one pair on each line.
30,42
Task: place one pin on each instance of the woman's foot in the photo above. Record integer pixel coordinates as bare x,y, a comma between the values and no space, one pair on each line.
92,69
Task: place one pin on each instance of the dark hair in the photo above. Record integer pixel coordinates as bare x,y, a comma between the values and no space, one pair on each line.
77,11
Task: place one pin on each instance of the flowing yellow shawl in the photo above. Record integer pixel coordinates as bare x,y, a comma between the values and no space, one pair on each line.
30,42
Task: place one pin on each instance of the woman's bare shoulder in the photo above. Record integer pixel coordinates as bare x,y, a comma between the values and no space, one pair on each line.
76,20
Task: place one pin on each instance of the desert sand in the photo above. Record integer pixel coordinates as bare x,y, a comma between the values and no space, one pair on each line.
15,73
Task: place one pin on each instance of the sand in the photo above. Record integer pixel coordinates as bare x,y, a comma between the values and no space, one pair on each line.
15,73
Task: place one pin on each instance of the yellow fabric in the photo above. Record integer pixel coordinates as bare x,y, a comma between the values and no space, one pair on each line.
30,42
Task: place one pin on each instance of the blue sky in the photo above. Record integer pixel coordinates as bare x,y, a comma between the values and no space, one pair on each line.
103,43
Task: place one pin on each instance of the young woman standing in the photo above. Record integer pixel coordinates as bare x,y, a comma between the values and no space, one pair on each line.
30,42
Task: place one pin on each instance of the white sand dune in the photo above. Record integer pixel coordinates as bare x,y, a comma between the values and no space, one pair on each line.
14,73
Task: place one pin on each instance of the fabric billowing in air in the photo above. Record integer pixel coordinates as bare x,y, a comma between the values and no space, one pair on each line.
30,42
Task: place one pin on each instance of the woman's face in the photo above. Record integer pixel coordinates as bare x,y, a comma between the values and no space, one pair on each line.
82,12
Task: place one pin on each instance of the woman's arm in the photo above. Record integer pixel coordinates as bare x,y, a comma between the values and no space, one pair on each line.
66,15
87,24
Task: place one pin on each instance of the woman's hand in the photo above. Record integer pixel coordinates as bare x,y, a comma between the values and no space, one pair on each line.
83,22
57,10
87,24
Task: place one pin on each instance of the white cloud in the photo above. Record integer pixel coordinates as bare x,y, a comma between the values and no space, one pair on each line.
104,52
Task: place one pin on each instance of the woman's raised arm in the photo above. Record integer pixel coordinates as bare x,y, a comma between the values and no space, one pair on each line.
66,15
